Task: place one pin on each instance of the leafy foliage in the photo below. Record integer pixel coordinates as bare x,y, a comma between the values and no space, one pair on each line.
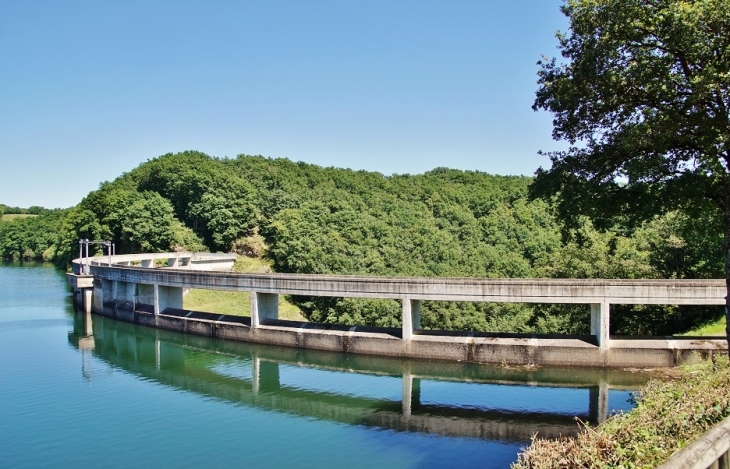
643,98
308,219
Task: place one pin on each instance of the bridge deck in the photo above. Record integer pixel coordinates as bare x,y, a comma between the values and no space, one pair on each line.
157,281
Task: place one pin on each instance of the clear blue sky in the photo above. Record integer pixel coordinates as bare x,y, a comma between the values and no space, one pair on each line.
90,89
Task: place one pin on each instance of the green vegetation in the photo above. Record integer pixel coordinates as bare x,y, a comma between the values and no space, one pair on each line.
235,304
30,236
669,415
238,303
34,210
302,218
715,328
642,96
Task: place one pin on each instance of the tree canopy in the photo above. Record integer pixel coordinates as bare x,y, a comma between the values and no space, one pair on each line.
641,94
309,219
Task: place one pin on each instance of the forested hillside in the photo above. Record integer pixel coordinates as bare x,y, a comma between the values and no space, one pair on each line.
309,219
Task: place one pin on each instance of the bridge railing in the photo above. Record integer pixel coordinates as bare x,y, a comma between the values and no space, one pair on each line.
133,278
180,260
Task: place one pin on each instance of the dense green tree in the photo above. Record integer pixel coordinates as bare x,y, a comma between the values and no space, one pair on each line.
215,203
79,223
147,224
642,96
446,222
30,237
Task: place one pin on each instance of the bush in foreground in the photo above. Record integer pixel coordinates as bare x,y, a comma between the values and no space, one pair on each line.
669,416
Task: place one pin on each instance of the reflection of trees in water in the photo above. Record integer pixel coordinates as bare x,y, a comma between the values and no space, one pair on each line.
191,363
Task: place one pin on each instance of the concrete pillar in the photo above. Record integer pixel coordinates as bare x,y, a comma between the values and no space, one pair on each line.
87,292
98,295
156,301
114,291
107,290
411,317
88,326
598,404
124,292
169,297
263,306
411,394
146,294
600,314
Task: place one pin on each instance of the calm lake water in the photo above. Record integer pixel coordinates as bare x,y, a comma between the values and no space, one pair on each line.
91,391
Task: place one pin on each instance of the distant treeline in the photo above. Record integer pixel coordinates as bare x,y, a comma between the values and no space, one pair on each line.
309,219
34,210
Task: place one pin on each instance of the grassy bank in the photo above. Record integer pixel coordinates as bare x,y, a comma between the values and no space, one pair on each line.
716,328
669,415
237,303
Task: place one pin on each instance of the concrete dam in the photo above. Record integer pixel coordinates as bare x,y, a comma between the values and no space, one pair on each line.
148,289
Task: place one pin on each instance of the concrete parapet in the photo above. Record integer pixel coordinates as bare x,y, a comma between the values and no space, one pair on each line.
131,283
513,351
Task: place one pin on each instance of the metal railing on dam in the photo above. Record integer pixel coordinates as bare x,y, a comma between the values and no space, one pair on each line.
148,289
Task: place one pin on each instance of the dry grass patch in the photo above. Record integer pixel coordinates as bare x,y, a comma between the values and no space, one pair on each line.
669,415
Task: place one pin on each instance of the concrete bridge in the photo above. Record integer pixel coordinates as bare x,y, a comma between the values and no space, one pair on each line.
148,289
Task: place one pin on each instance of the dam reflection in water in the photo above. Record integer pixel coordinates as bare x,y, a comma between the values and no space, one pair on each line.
452,399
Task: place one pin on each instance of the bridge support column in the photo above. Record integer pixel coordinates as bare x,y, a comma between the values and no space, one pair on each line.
145,295
98,296
107,291
411,317
125,293
600,324
87,299
263,306
111,291
167,297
